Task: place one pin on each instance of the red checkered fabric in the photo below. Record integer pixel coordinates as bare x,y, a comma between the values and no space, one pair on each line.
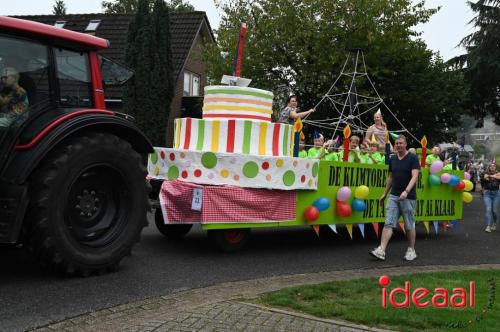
225,204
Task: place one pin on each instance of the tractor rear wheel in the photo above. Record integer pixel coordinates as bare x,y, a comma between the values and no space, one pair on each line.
88,204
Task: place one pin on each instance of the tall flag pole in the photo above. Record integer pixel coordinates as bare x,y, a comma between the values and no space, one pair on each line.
239,50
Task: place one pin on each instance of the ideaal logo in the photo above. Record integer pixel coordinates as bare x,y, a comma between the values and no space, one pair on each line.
422,297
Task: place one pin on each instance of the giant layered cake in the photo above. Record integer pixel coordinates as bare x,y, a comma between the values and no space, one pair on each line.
235,143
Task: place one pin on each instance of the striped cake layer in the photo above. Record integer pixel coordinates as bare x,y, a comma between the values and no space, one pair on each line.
234,135
235,102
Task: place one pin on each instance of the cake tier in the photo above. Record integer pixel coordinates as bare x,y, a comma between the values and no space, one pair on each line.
235,135
248,171
235,102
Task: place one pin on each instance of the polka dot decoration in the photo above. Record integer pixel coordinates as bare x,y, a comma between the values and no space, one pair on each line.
209,160
251,171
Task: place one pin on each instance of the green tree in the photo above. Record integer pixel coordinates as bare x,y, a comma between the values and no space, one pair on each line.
149,93
130,6
59,8
300,46
481,63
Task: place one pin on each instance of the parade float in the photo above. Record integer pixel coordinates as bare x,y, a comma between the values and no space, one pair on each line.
235,169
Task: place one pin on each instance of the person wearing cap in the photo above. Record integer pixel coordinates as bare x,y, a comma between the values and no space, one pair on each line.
289,113
13,98
378,129
318,148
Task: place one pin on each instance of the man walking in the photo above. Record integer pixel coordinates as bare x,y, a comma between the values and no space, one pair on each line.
401,181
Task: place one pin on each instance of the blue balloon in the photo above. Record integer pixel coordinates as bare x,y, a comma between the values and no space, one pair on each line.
455,180
322,203
358,205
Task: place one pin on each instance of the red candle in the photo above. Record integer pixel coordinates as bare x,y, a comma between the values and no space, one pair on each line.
347,134
424,151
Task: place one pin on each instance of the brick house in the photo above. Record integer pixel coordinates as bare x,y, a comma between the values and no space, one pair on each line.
190,32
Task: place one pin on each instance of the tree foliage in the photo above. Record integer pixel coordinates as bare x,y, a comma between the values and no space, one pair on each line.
300,46
130,6
149,93
481,63
59,8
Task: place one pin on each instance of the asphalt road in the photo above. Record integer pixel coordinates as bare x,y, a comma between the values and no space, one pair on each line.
30,297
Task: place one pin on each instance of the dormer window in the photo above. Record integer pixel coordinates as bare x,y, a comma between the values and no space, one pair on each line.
93,25
60,24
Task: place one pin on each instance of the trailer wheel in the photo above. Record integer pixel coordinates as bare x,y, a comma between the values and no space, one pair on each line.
229,240
88,204
168,230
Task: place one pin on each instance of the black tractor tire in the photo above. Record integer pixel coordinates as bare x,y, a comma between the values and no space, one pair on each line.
170,231
229,240
88,205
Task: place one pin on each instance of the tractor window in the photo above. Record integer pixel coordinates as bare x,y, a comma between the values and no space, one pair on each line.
74,78
24,83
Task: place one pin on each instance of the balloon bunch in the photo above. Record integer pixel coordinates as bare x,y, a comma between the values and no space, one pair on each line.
312,212
451,180
343,209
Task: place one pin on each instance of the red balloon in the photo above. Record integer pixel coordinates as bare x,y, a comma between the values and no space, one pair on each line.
343,209
460,185
312,213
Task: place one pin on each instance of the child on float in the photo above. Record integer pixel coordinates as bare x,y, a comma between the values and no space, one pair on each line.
302,146
328,153
316,151
374,156
436,151
354,154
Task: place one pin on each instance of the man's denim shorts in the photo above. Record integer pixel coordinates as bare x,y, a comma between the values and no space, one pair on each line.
395,208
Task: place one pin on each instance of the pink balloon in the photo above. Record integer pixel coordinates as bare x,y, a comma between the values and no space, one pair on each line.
445,178
467,175
436,166
343,194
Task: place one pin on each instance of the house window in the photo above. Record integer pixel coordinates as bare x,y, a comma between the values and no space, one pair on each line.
93,24
59,24
191,84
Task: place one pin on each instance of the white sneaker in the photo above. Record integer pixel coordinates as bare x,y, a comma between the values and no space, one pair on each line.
488,229
494,227
378,253
410,254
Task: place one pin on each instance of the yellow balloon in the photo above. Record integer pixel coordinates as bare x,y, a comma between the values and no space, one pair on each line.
361,192
467,197
468,185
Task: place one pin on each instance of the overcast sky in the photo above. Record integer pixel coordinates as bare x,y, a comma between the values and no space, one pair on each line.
442,33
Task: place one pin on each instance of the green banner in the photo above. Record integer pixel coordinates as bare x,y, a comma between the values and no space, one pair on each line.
434,202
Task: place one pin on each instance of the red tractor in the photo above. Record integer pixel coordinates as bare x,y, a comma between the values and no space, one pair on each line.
72,174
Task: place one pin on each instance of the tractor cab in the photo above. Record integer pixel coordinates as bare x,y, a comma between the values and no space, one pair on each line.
71,171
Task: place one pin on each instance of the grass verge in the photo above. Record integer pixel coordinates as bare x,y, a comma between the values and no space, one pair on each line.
359,301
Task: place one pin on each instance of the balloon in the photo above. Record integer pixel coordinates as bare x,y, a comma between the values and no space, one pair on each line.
467,175
312,213
322,203
460,185
344,209
436,166
467,197
434,180
468,185
454,181
361,192
445,178
343,194
358,205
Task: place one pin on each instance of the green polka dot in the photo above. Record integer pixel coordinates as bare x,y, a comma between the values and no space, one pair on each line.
173,173
289,178
209,160
250,169
315,170
154,157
